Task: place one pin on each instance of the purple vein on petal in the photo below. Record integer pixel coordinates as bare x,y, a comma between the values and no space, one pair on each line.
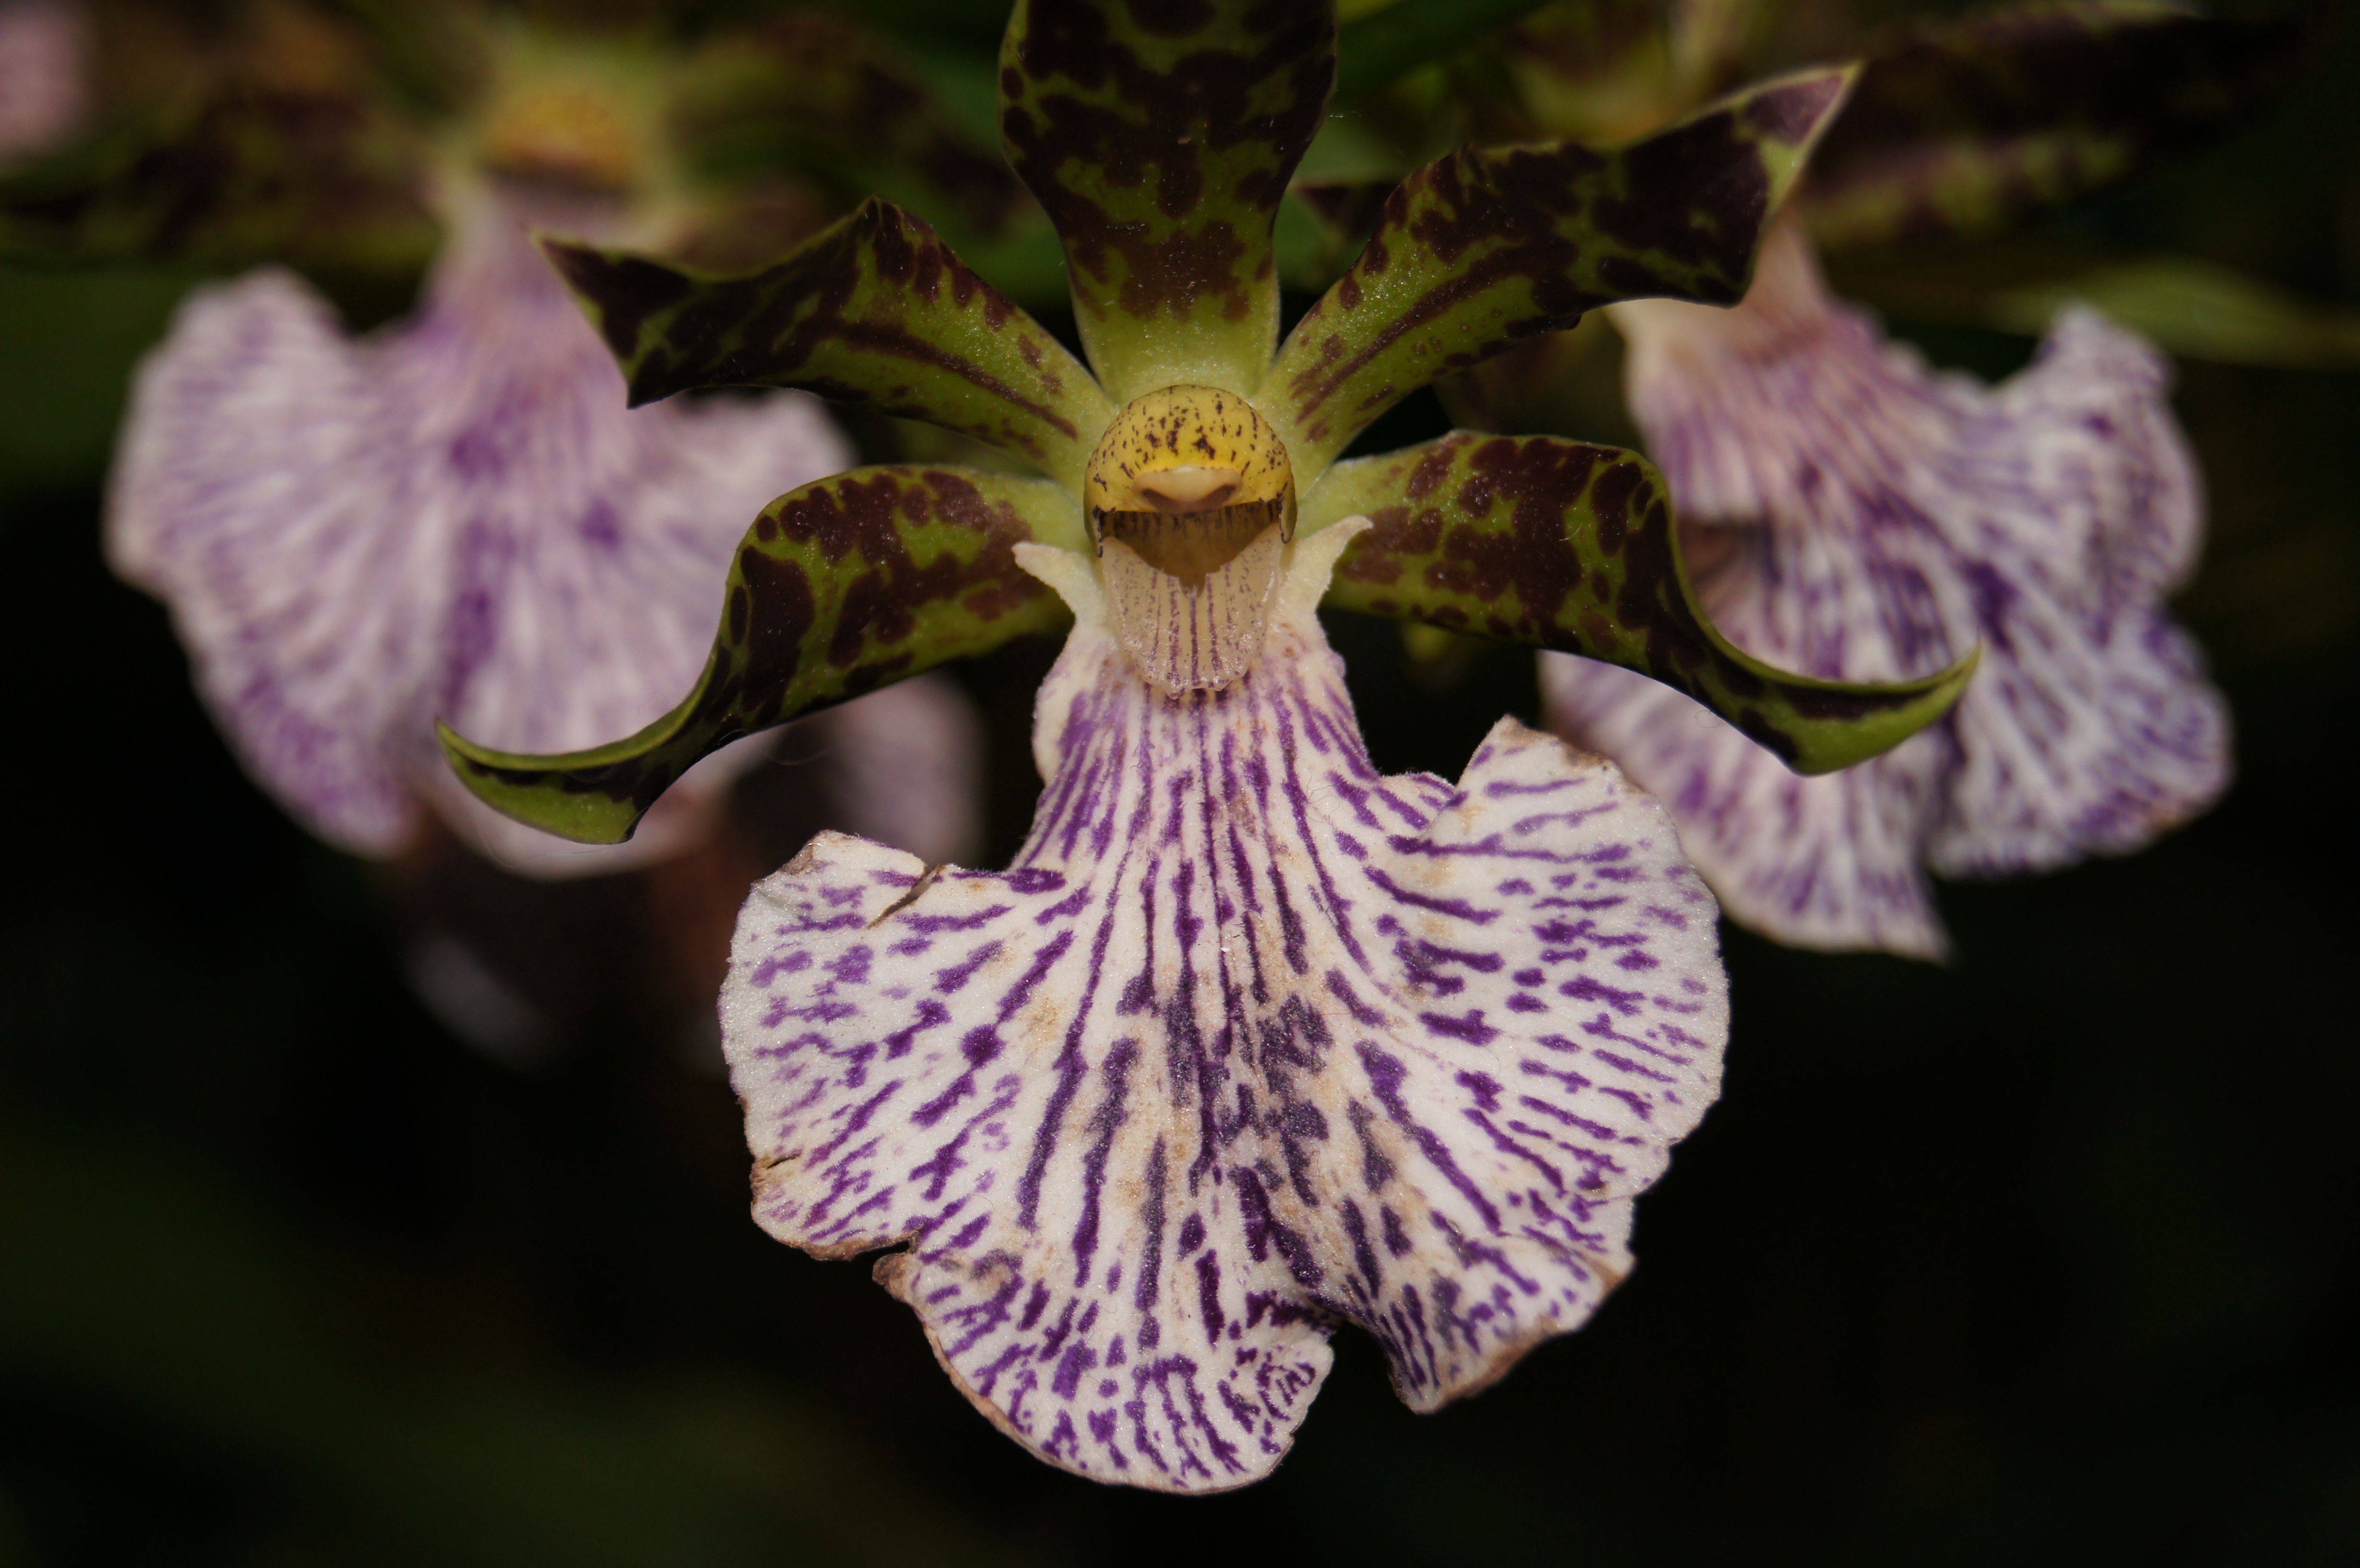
453,517
1258,1083
1850,513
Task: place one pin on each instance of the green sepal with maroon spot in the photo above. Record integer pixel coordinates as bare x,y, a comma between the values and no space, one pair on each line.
840,587
813,91
1485,248
875,311
1161,151
1567,546
229,173
1968,124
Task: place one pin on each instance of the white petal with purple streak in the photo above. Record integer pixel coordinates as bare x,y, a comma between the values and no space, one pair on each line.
1852,514
1249,1040
456,519
1831,862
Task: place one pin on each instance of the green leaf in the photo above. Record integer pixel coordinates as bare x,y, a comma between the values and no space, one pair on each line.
1487,247
2199,310
874,311
1376,49
840,587
226,174
2193,309
1969,126
1161,149
1564,545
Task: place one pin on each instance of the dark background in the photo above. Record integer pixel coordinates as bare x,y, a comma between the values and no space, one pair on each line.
2047,1256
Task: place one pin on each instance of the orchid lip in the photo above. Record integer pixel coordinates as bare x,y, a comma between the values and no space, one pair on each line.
1250,1041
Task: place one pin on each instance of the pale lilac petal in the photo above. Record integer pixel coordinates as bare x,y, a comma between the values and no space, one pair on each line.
1250,1042
2105,461
1833,862
456,519
44,75
2091,728
905,766
1855,516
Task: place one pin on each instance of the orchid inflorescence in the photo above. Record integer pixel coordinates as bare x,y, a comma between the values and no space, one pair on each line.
1249,1040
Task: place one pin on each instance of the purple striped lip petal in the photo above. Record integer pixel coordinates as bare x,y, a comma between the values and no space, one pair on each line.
1851,514
1248,1042
455,518
44,75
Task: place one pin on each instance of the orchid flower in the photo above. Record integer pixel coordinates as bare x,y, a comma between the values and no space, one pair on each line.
1863,515
1852,513
458,517
1249,1040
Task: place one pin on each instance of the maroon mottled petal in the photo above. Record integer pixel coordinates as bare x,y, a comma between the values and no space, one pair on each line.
1161,139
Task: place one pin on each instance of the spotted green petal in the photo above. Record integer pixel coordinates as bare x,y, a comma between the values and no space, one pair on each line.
1487,247
814,90
1603,70
227,173
1161,139
838,588
874,312
1567,546
1970,124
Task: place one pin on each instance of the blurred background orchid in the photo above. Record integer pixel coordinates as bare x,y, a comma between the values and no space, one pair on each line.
454,515
1852,513
2049,356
